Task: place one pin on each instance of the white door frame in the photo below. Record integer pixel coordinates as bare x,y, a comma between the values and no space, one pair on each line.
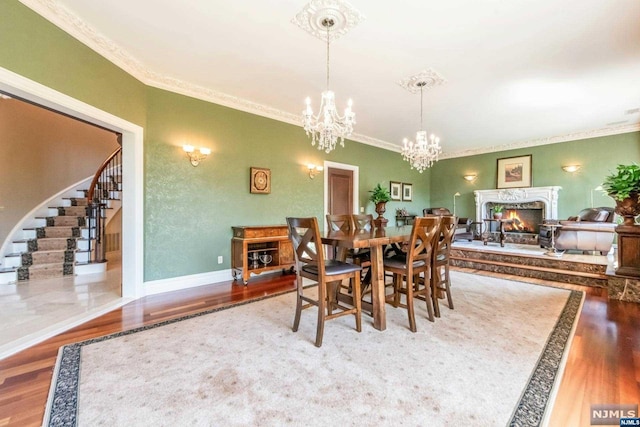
356,184
132,168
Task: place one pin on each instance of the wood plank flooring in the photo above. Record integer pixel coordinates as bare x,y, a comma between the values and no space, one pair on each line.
603,365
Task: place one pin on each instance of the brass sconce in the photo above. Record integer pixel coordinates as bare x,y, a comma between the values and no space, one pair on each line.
314,170
196,155
571,168
470,177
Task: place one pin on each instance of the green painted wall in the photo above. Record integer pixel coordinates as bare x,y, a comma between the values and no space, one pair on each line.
598,156
189,210
34,48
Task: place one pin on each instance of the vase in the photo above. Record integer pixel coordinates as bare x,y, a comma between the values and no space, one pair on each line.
629,209
381,208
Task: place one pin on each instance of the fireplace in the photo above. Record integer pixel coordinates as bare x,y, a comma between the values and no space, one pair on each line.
526,217
527,207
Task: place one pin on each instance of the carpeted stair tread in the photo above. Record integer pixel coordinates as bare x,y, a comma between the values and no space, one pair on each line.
57,231
66,221
52,243
73,211
45,271
47,257
78,201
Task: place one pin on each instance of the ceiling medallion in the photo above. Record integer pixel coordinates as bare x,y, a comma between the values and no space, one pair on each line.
328,20
425,79
344,16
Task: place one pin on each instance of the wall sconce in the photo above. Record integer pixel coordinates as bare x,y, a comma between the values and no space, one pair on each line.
571,168
313,170
470,177
454,202
196,155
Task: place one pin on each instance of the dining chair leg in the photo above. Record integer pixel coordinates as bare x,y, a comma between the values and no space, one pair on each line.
435,279
357,296
397,284
410,312
332,295
447,284
428,298
296,319
322,302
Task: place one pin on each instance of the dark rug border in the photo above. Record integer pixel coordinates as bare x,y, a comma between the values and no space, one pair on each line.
63,409
534,400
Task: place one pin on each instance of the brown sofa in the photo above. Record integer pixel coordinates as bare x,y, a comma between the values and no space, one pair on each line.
463,230
593,229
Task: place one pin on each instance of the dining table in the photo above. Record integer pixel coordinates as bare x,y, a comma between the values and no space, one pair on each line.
376,239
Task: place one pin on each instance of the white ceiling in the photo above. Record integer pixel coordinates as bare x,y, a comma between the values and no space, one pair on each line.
518,72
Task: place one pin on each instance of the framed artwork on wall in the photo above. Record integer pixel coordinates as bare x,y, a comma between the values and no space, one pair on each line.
514,172
407,192
260,181
395,189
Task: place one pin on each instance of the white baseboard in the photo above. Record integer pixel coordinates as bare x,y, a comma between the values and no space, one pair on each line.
185,282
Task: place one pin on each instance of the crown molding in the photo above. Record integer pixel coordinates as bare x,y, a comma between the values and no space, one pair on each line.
61,17
575,136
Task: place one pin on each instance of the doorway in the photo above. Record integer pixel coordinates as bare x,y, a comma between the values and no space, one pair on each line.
132,163
341,184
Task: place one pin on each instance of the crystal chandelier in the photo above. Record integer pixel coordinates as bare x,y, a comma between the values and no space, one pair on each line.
328,127
424,152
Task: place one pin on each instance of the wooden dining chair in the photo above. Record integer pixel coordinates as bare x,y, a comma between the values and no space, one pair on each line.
417,262
440,279
362,257
311,264
342,223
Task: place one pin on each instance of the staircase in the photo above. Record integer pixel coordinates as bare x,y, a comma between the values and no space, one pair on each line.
67,239
54,250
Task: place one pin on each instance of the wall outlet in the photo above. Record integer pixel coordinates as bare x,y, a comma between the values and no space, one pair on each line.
361,209
220,259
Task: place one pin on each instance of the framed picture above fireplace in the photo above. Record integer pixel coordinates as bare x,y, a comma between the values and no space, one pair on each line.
514,172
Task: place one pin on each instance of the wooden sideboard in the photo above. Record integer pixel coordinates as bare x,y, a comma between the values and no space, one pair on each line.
257,249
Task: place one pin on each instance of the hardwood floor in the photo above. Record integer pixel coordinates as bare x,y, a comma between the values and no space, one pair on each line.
603,365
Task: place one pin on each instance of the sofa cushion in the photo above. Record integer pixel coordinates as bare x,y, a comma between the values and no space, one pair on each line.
593,215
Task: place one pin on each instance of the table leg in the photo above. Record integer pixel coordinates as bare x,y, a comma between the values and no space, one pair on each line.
377,288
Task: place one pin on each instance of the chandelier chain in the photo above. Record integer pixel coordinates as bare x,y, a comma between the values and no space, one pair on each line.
328,127
327,27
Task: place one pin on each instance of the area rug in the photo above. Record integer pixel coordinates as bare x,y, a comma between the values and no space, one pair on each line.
491,361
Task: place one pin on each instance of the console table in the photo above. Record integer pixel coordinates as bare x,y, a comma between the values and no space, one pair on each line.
257,249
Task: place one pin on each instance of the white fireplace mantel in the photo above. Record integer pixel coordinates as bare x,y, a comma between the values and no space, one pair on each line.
546,195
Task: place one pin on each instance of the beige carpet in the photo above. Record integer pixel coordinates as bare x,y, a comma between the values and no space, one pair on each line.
244,366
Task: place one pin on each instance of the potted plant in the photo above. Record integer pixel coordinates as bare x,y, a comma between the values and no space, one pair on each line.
497,211
623,186
380,196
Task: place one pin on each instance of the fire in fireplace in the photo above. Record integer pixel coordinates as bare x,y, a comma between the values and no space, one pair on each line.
526,217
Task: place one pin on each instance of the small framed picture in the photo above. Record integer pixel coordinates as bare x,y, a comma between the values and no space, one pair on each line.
514,172
407,192
260,181
395,189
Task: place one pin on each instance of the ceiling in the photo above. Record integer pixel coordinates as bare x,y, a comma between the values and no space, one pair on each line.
517,72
